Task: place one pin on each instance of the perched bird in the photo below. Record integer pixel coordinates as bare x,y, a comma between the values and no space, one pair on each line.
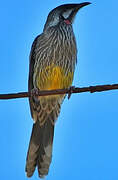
52,63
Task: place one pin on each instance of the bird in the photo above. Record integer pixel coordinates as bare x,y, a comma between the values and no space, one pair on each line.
52,62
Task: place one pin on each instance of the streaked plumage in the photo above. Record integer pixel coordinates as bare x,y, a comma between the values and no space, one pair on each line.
52,64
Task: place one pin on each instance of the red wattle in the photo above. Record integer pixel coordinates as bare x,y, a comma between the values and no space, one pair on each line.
67,21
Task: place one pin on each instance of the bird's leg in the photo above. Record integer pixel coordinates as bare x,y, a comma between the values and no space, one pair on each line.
70,91
35,92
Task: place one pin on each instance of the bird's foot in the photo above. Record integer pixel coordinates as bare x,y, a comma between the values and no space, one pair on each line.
70,91
35,92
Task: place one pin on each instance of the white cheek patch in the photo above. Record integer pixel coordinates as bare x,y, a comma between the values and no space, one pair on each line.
66,14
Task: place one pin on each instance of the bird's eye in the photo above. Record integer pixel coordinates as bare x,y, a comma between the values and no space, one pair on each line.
61,17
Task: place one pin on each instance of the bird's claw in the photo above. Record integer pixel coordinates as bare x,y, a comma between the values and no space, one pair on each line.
70,91
35,92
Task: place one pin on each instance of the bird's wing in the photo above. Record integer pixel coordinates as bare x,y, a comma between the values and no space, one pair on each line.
40,146
32,59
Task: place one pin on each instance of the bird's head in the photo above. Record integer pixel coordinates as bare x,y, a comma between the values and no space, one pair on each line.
64,13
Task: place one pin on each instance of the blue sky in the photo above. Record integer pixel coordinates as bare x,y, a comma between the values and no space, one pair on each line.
86,134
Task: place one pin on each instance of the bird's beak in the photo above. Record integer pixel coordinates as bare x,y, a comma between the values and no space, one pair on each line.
76,9
82,5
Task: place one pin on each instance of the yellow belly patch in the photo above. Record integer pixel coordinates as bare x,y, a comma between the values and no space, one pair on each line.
53,77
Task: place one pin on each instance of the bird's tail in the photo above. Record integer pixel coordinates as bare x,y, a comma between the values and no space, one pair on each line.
40,149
